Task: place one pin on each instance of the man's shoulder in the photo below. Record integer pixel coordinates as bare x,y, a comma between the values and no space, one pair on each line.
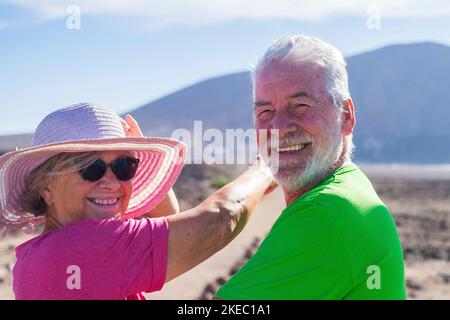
345,182
305,213
346,194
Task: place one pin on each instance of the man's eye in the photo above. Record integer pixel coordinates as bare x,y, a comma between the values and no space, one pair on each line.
265,114
299,108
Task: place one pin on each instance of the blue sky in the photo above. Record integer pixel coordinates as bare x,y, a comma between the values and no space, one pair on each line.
128,53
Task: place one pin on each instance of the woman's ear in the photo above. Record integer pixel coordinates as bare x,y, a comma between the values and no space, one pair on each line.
46,194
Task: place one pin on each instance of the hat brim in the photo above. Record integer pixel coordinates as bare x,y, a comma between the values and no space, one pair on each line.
161,161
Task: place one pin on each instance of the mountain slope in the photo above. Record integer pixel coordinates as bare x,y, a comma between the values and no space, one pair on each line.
401,95
402,99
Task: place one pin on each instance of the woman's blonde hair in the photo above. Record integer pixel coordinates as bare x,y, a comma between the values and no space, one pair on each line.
41,177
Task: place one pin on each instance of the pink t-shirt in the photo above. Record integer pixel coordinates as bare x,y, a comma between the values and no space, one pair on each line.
94,259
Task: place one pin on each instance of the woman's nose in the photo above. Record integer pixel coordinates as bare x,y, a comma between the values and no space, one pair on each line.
109,180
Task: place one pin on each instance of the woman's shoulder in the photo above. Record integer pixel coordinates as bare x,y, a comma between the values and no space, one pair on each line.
72,230
90,232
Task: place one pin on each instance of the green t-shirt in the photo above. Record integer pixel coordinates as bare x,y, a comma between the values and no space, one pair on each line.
337,241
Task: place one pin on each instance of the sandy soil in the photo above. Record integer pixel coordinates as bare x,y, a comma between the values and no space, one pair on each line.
420,206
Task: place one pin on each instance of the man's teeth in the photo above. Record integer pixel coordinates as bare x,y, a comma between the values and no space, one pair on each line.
296,147
106,202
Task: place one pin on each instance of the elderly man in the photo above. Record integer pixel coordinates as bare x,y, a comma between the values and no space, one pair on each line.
335,239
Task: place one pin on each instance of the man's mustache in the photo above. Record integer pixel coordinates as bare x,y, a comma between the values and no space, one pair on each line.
290,140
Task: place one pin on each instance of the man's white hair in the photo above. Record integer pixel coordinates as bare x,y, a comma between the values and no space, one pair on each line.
301,49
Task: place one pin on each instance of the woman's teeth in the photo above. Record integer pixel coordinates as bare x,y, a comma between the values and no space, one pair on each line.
296,147
105,202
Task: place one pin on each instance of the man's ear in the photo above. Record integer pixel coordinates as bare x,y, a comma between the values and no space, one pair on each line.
348,117
46,194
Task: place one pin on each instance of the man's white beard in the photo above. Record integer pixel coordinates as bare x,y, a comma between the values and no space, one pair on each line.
296,174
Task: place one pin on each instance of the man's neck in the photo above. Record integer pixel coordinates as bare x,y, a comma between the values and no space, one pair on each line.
290,195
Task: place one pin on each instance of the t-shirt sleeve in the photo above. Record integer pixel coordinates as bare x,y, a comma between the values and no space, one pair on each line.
302,257
145,256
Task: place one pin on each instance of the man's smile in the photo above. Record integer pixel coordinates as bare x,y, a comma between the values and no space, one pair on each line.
293,148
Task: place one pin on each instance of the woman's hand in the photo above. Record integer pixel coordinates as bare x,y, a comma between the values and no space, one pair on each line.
259,163
131,127
272,187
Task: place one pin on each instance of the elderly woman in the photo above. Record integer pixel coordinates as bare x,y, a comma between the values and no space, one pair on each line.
102,191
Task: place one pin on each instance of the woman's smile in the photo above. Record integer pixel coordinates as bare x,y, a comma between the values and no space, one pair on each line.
104,206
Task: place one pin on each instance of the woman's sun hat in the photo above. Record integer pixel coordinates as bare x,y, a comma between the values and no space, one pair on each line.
83,128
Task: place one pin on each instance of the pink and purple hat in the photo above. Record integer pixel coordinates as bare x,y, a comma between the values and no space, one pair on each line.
83,128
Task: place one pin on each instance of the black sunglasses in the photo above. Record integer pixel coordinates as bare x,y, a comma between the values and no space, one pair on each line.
123,168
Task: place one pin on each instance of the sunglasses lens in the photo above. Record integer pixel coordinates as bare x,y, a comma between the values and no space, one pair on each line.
125,168
94,172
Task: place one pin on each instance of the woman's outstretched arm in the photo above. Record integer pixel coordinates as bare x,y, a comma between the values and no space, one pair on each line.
198,233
